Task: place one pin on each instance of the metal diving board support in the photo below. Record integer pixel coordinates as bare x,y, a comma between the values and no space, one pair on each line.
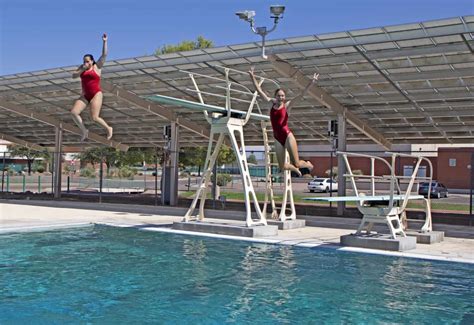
389,209
224,122
288,189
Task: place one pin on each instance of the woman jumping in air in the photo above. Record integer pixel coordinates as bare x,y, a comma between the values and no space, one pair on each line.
285,140
90,72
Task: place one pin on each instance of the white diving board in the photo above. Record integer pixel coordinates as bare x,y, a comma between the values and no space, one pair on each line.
363,198
204,107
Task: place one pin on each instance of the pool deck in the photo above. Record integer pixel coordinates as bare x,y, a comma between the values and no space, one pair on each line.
24,216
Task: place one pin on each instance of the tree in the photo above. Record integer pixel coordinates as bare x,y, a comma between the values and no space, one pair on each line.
200,43
98,154
91,155
252,159
193,156
28,153
115,158
226,155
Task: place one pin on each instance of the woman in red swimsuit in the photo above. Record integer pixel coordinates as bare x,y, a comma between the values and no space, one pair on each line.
285,140
90,72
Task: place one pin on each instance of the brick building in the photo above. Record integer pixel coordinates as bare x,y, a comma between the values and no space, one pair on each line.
454,166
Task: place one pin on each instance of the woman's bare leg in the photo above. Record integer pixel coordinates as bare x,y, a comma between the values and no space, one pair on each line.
281,155
96,105
76,111
292,148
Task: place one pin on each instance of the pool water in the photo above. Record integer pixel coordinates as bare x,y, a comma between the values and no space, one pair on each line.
113,275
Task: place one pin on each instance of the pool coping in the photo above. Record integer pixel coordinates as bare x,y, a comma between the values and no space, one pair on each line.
33,216
310,244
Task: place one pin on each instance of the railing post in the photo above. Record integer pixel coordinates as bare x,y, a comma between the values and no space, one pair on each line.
101,173
24,183
39,183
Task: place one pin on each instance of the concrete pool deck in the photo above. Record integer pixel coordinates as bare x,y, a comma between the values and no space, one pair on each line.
24,216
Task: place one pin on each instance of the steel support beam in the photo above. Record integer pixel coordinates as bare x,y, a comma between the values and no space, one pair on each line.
21,142
153,108
324,98
14,108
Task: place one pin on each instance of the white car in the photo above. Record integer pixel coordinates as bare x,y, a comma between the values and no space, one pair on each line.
322,185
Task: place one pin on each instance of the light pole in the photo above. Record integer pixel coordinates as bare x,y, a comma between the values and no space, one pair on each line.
248,16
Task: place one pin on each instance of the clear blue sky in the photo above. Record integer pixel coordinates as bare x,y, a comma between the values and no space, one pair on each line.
39,34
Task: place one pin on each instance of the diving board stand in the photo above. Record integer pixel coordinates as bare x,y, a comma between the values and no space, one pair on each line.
385,208
286,218
224,121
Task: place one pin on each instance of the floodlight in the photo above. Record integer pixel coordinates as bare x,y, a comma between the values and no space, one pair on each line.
277,10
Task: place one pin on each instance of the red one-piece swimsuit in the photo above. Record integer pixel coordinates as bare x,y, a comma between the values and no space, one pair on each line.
279,120
90,84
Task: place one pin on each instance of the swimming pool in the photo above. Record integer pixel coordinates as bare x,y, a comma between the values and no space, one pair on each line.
117,275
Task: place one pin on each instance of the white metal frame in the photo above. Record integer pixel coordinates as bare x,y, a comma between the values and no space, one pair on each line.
391,212
222,125
223,122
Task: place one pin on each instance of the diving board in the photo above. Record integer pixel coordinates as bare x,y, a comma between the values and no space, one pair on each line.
364,198
205,107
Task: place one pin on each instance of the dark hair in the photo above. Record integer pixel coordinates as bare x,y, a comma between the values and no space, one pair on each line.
90,56
276,91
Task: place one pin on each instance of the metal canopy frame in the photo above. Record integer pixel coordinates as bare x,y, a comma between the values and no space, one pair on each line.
410,83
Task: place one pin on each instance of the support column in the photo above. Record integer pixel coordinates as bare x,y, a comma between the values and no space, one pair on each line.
341,166
58,162
174,168
169,175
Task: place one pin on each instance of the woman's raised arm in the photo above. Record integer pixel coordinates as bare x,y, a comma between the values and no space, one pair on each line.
100,63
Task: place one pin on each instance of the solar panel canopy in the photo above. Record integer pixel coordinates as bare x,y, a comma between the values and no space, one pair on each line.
410,83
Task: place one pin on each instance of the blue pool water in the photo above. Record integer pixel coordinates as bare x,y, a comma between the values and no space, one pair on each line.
123,276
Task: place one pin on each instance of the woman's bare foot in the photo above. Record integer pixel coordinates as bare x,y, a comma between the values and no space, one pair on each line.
110,132
85,135
306,164
293,168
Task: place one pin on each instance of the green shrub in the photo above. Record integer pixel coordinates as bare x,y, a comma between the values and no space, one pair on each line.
87,172
126,172
69,169
40,169
223,179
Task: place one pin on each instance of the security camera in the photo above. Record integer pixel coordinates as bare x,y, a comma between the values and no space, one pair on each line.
246,15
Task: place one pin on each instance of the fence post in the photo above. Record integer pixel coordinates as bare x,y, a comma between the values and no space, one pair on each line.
68,183
24,183
8,183
39,183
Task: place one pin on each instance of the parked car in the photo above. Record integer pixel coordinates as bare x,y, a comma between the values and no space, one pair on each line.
438,190
322,185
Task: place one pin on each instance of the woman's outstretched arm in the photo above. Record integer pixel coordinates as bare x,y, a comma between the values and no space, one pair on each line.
298,97
101,61
257,85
